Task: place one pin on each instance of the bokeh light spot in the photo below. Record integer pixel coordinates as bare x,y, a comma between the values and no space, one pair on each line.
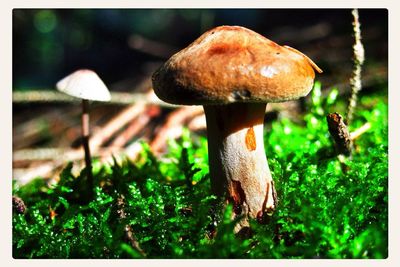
45,21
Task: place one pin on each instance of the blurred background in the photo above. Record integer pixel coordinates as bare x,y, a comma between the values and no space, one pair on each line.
125,46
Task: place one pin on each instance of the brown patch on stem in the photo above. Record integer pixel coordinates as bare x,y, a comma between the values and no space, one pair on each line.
250,139
262,215
238,196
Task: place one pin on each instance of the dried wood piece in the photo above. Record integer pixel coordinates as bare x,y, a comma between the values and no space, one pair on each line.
39,171
60,158
198,123
52,153
49,96
129,234
32,131
136,126
119,121
340,133
358,60
173,126
357,133
34,154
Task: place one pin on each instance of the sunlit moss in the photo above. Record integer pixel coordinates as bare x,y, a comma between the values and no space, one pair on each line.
326,209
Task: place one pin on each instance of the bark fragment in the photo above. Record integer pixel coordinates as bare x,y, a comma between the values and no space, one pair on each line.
340,133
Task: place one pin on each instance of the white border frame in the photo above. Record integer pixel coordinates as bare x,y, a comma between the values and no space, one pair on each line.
6,7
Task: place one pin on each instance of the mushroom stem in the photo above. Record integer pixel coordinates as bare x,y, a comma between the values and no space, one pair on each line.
238,165
85,141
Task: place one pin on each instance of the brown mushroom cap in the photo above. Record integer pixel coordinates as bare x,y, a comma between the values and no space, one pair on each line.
231,64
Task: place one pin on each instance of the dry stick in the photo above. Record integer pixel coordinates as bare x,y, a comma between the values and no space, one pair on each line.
129,234
44,169
36,154
358,132
136,126
337,126
27,133
39,171
58,158
114,125
173,126
132,151
46,96
340,133
358,59
197,123
50,153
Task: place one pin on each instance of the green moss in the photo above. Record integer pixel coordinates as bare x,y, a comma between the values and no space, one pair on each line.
326,209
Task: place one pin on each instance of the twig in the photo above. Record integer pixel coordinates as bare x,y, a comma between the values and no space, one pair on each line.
358,59
341,135
129,234
173,126
132,151
45,96
357,133
114,125
37,154
32,131
136,126
40,171
198,123
51,153
44,169
131,237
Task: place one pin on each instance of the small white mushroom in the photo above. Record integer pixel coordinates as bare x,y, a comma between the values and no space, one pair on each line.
86,85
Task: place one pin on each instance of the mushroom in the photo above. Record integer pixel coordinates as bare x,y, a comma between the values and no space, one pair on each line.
234,72
86,85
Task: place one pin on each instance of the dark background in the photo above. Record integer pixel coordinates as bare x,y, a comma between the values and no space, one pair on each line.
124,46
